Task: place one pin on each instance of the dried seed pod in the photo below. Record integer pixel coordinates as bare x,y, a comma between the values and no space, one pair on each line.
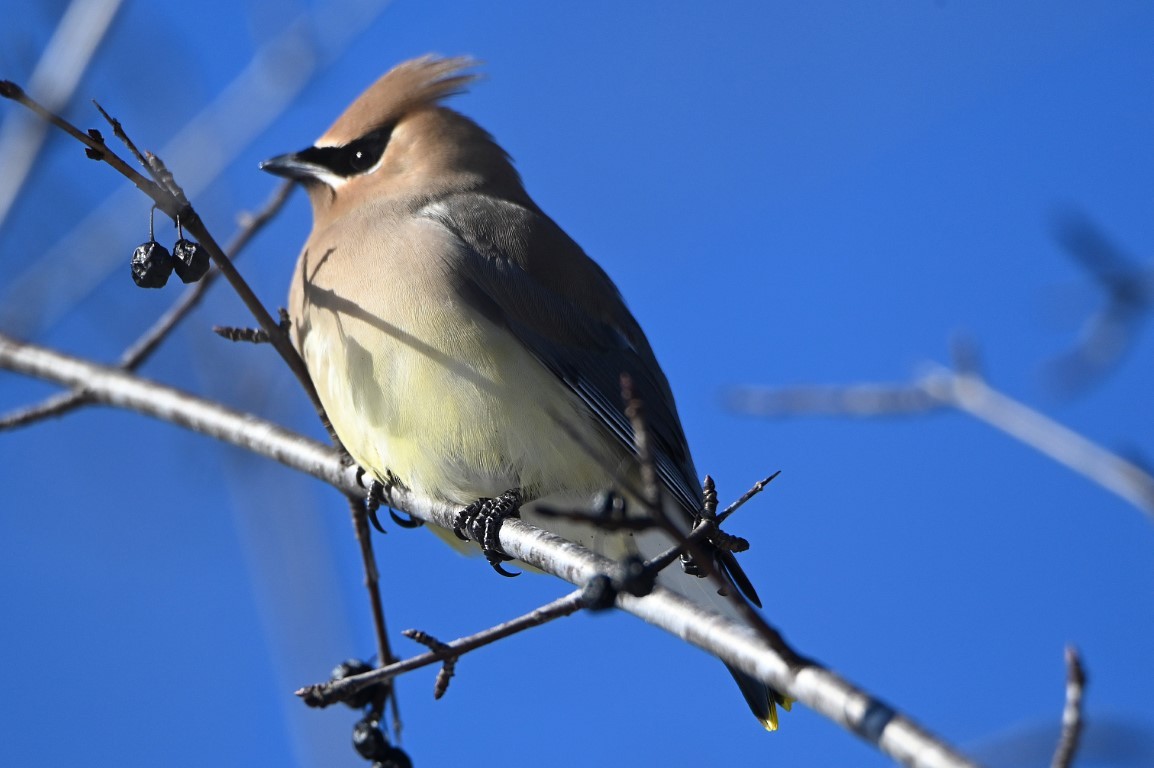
151,265
190,260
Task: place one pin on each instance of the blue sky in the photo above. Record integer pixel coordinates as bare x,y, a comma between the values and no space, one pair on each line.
786,194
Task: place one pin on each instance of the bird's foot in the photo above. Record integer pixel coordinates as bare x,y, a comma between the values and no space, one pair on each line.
481,521
381,493
373,500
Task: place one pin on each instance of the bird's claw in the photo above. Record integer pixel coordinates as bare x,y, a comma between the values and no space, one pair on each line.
373,499
481,522
405,522
380,493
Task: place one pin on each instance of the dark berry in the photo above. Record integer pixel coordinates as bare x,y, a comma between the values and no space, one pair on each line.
394,757
151,265
190,259
368,740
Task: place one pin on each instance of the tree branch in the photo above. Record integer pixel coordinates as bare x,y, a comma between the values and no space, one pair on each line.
324,694
1072,712
150,340
736,644
170,199
969,392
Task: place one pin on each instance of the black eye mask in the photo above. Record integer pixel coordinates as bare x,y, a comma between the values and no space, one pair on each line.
353,158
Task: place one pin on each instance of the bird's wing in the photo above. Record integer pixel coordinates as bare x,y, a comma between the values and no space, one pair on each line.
521,270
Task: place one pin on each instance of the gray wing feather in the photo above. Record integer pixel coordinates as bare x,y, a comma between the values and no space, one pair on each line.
588,340
587,353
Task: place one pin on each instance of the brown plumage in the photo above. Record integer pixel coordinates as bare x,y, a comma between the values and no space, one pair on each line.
460,341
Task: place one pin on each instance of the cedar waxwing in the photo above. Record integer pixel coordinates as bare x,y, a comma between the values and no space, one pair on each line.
462,344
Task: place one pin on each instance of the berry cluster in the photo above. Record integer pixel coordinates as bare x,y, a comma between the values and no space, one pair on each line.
152,263
368,738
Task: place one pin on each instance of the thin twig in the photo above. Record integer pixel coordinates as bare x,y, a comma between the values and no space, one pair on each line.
448,665
171,200
974,396
10,90
277,72
860,400
118,132
635,412
373,586
943,388
150,340
1109,333
247,335
1072,712
757,488
324,694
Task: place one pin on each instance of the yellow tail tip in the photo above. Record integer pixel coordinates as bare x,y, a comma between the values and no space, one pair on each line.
770,719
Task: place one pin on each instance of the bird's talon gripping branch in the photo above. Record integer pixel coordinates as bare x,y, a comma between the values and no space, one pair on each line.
405,522
373,500
481,522
410,522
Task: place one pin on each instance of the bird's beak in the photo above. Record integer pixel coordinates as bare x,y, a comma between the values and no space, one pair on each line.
293,166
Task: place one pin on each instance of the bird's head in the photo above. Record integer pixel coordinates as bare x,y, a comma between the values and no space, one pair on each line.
397,144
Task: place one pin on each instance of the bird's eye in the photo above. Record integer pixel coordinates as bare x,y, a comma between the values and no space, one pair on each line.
363,159
362,154
352,159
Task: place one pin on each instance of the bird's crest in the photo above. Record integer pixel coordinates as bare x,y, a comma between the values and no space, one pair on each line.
414,84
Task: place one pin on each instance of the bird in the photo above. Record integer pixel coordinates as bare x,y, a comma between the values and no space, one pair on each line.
465,347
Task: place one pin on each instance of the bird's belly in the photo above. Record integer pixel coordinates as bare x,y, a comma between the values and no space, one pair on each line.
411,405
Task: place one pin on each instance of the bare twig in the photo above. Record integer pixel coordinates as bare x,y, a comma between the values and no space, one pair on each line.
635,412
864,400
696,558
733,642
118,132
974,396
275,75
373,587
1072,712
1108,334
10,90
943,388
448,665
324,694
150,340
249,335
757,488
170,199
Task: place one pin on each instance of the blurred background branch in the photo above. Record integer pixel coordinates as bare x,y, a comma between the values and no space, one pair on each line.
53,83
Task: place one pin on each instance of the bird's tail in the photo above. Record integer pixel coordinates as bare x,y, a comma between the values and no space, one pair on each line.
763,701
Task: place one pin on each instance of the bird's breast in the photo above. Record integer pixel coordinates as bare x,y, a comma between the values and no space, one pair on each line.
417,383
